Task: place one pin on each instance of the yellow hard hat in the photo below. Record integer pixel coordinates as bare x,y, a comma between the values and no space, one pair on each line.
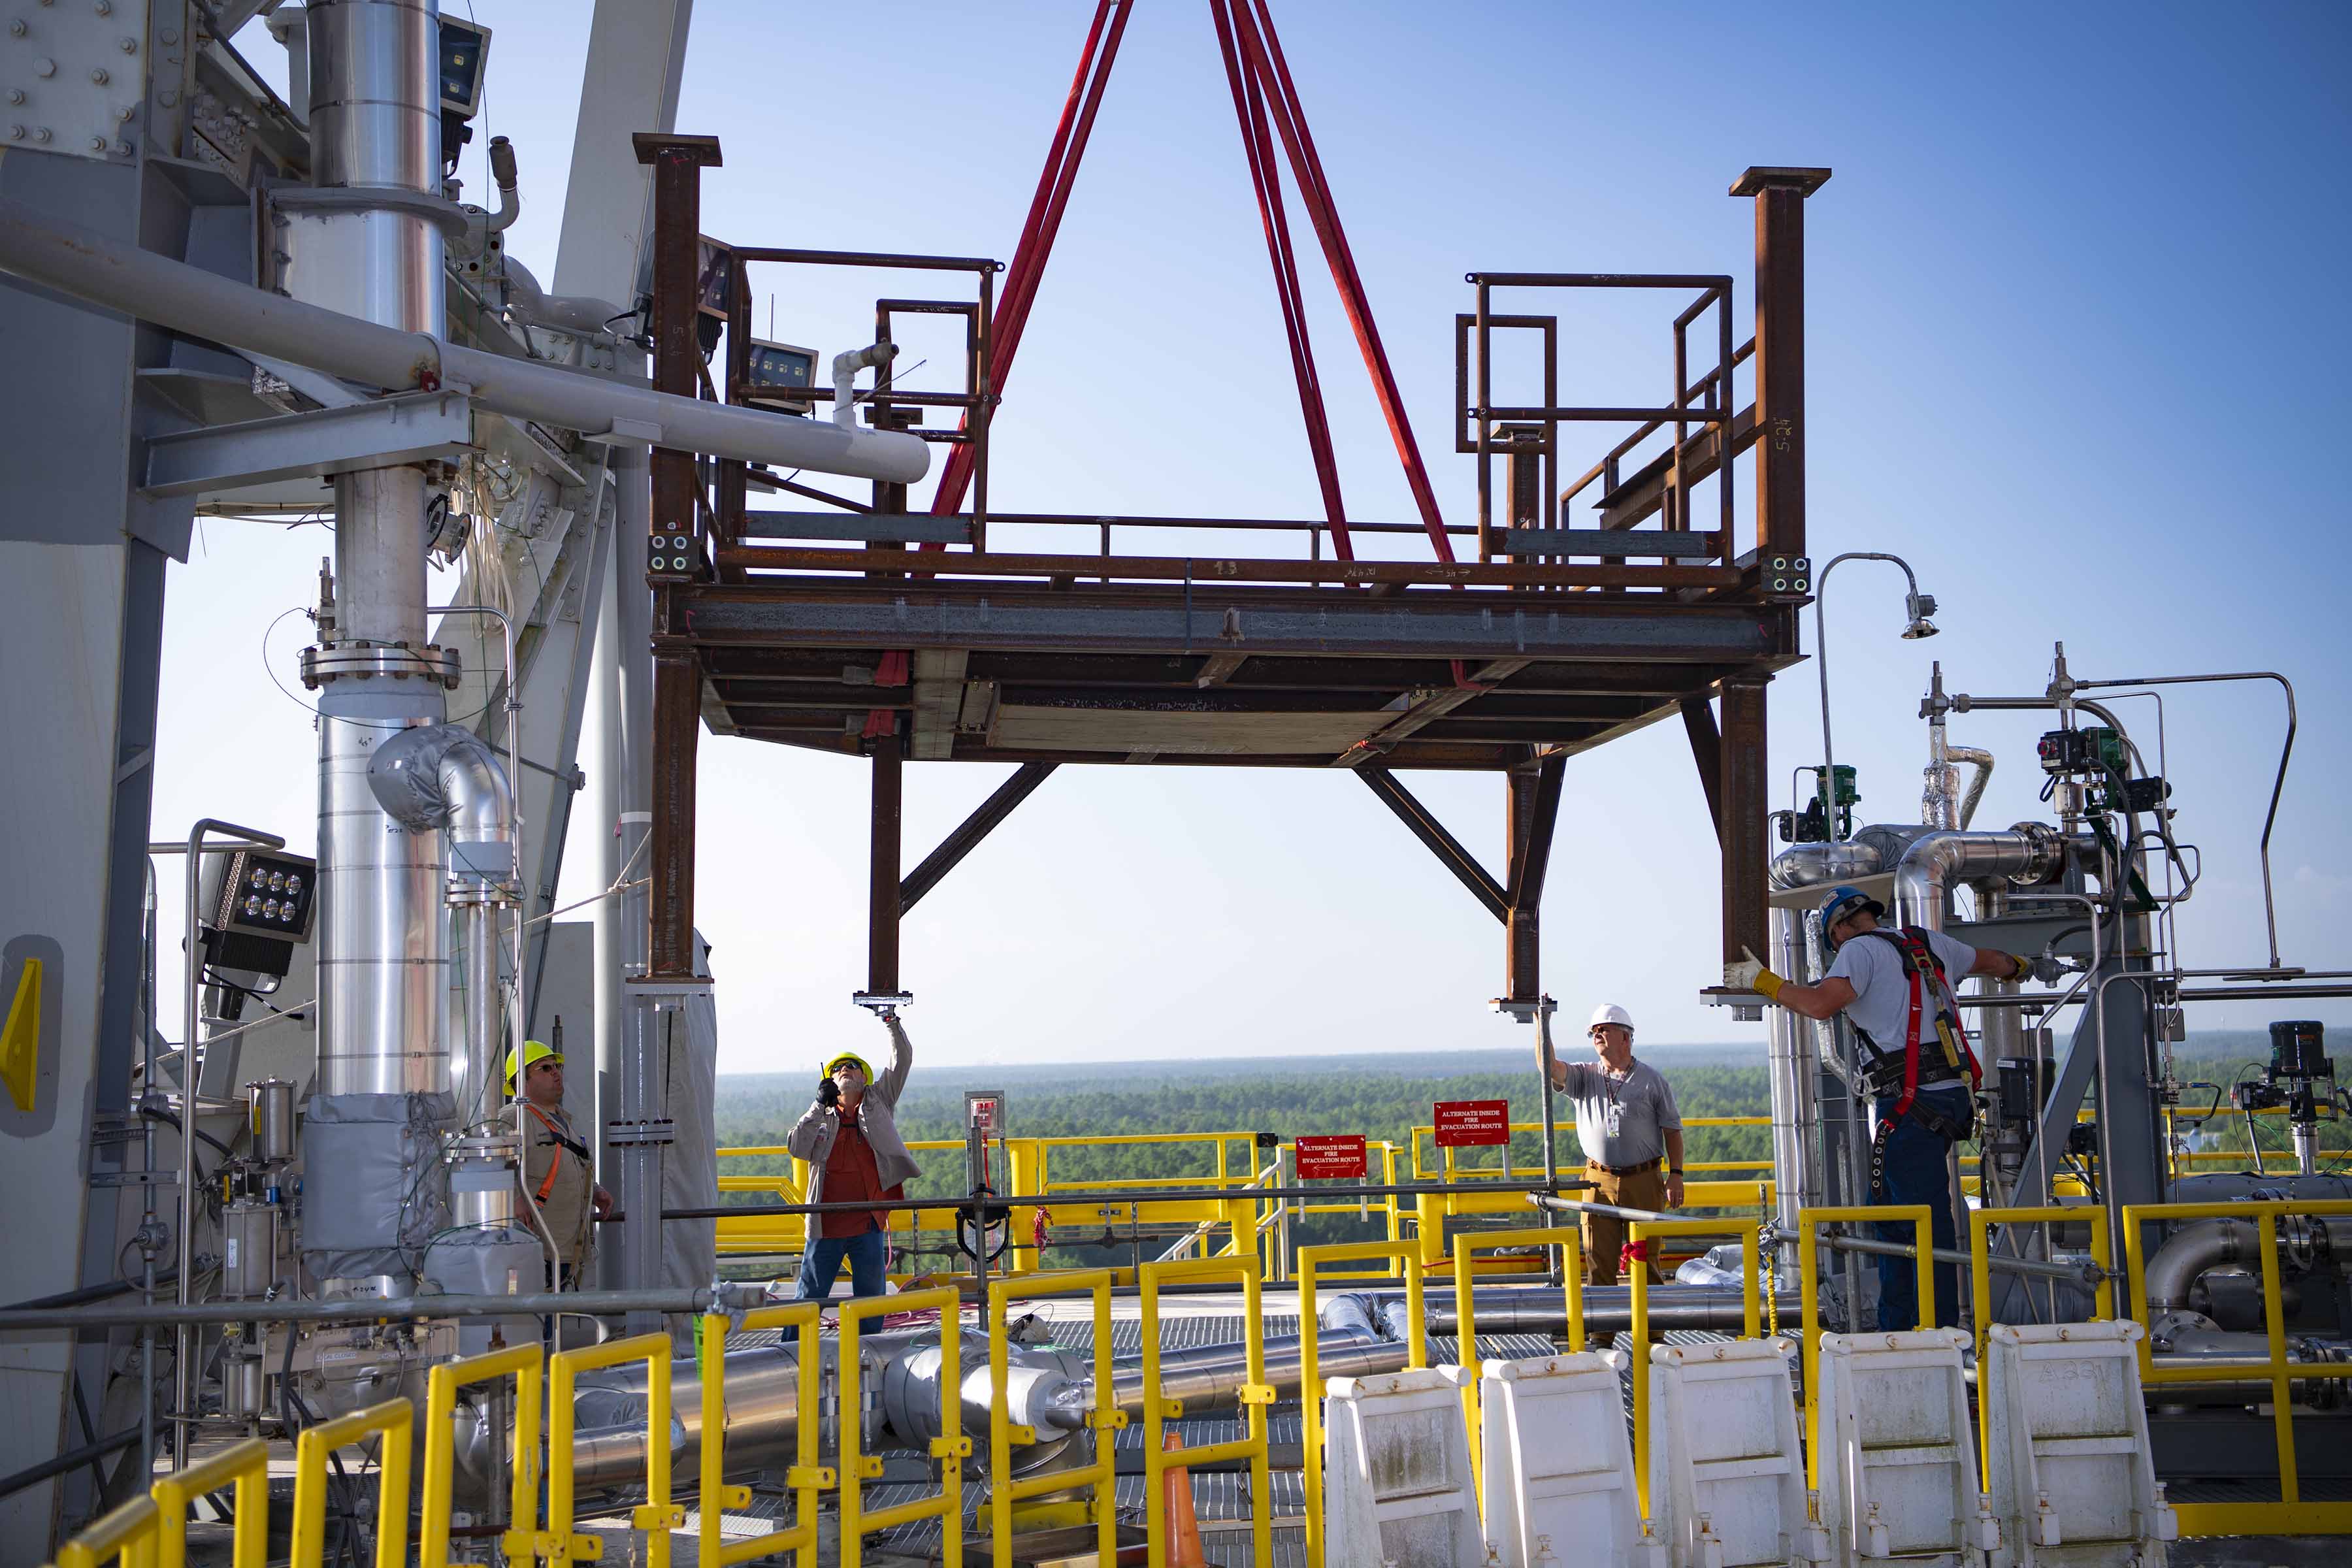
533,1053
863,1065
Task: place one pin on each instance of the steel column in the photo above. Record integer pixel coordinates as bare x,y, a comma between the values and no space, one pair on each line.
883,909
1533,807
1742,813
1779,196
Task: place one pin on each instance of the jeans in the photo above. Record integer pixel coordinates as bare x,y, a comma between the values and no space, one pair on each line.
1915,1172
820,1264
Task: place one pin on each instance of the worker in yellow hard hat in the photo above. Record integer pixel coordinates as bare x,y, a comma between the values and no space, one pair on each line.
850,1139
558,1167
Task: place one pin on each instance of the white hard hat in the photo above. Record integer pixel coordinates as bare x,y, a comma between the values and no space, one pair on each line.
1610,1013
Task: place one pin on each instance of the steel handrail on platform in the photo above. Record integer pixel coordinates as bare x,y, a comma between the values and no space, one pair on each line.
949,1450
805,1478
1570,1242
1101,1478
1255,1396
1980,1263
658,1515
1310,1379
2291,1514
394,1421
527,1365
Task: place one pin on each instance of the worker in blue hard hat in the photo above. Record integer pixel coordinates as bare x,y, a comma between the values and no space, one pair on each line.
1894,986
849,1136
558,1167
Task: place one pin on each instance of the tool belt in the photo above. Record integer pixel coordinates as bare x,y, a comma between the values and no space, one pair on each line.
1649,1164
1884,1074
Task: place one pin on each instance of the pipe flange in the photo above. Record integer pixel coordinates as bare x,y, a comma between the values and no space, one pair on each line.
395,661
2048,852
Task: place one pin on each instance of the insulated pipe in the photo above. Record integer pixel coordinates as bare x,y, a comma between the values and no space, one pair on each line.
1807,865
1541,1309
1928,869
91,267
1982,760
845,366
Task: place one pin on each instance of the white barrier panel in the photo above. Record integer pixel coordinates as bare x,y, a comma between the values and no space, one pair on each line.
1558,1465
1898,1461
1397,1487
2066,1442
1726,1473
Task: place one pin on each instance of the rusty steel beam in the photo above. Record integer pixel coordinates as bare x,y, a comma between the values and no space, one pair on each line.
677,733
882,907
971,831
1424,707
806,615
1743,819
1207,569
1706,751
1779,195
1640,495
678,164
1532,810
1441,844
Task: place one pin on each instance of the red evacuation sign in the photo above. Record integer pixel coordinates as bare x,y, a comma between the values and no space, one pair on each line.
1472,1123
1322,1156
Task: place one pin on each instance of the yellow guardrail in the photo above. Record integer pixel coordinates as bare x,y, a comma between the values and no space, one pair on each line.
1255,1394
2289,1515
1980,1224
950,1448
394,1421
247,1465
657,1515
1750,1328
526,1365
1101,1478
805,1476
1310,1376
1810,1303
126,1535
1570,1239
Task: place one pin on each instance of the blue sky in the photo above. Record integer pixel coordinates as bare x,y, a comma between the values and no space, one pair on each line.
2072,351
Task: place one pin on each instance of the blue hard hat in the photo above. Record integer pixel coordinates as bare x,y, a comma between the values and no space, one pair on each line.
1843,900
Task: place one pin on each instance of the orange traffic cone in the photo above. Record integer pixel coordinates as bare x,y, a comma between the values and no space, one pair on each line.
1176,1504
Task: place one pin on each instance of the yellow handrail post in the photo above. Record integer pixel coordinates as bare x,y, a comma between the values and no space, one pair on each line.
659,1515
1023,1157
1809,1274
394,1420
128,1532
2291,1515
950,1448
1750,1327
525,1365
1255,1395
1310,1379
247,1464
1570,1242
1980,1224
1103,1425
806,1478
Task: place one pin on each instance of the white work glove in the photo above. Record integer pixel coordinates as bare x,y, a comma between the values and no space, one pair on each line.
1749,975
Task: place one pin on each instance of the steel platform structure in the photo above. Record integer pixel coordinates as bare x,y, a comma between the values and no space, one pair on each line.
868,630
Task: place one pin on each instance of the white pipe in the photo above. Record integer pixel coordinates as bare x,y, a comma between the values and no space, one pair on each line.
845,366
1932,864
91,267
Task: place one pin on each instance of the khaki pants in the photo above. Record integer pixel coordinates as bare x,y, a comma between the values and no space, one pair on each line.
1605,1235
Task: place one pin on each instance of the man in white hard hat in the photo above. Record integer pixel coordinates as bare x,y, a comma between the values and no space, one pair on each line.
1632,1139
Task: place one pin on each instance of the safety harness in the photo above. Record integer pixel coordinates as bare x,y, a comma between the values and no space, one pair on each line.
1927,974
555,1135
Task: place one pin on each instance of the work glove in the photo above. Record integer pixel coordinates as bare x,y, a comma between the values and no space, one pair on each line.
828,1093
1749,975
2046,968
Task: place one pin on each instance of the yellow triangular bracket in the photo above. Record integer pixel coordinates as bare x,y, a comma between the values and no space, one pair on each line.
20,1042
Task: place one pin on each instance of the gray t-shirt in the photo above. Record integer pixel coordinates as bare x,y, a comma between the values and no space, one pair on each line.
1881,1007
1621,1121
